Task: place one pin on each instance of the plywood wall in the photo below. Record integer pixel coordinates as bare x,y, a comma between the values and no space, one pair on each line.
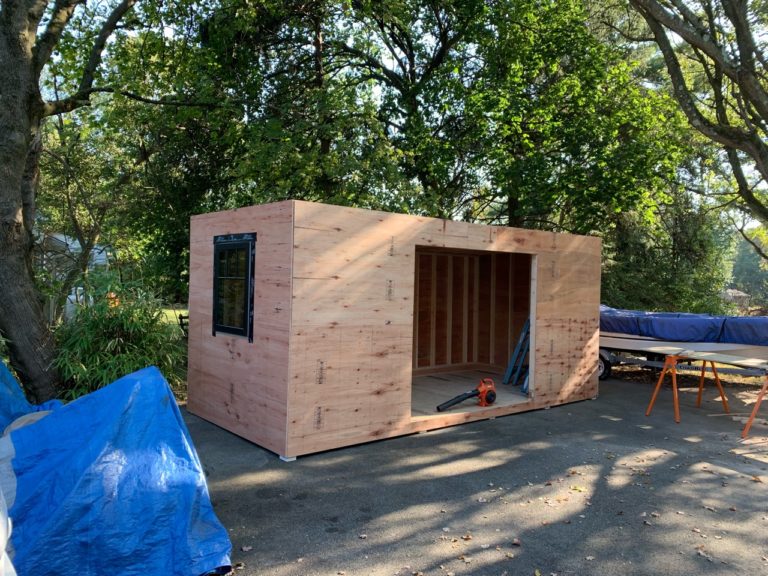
338,331
238,385
357,332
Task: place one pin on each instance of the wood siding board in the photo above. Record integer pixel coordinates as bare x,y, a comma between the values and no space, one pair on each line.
442,309
484,305
501,315
424,311
458,303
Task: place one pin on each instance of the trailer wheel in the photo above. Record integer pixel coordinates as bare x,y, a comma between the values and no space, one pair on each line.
603,367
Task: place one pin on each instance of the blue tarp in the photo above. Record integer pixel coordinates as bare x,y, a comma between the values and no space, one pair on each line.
110,484
746,330
686,327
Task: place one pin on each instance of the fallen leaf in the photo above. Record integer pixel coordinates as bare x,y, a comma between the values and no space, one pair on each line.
362,536
757,479
537,572
510,555
516,542
703,554
246,548
467,537
709,508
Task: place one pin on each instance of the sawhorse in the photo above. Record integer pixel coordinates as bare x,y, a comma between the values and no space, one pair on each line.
751,419
670,364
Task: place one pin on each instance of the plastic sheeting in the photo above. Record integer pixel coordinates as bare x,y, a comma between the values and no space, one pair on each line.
109,484
686,327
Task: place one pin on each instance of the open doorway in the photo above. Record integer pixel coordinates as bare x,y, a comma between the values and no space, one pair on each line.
470,308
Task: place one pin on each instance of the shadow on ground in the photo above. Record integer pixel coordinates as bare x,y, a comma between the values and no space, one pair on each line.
594,487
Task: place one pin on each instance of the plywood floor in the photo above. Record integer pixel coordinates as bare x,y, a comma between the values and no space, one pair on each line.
429,391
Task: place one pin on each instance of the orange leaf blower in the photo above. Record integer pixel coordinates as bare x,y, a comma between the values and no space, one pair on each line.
485,392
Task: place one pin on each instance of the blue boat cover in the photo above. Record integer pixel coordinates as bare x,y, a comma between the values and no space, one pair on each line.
686,327
108,484
751,330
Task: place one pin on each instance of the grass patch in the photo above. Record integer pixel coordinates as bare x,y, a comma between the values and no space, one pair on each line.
172,314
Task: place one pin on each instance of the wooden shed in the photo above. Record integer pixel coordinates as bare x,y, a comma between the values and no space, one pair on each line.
315,327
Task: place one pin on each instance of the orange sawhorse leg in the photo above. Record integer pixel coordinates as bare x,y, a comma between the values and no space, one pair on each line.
760,396
717,383
669,366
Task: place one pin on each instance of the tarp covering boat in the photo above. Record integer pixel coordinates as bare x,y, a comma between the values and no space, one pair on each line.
686,327
107,484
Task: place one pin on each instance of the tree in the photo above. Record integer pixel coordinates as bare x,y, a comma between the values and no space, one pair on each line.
749,267
573,138
508,112
29,33
673,261
714,51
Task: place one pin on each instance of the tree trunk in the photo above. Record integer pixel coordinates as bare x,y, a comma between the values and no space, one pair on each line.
22,320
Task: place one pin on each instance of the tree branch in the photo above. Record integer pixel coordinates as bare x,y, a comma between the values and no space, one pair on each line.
393,79
107,29
62,13
728,136
740,73
82,99
755,245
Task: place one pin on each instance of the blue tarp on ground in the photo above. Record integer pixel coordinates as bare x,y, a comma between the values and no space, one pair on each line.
686,327
110,484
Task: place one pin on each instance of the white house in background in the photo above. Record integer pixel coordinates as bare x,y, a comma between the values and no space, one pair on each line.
57,254
733,296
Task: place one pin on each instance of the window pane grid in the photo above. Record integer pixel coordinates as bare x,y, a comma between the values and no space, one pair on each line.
233,279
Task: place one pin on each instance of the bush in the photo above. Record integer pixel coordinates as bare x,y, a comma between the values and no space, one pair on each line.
118,330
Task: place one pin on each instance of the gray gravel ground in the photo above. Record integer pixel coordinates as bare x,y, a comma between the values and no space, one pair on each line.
588,488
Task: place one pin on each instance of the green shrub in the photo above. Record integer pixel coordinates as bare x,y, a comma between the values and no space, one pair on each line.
117,330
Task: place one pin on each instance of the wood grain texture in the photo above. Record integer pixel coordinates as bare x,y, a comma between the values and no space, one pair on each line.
350,304
242,386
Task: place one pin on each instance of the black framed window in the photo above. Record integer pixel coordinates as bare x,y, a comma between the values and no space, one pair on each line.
233,263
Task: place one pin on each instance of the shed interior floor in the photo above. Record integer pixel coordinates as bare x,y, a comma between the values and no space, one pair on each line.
430,390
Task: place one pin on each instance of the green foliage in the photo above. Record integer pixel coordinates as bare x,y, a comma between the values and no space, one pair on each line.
750,270
122,328
676,261
509,112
